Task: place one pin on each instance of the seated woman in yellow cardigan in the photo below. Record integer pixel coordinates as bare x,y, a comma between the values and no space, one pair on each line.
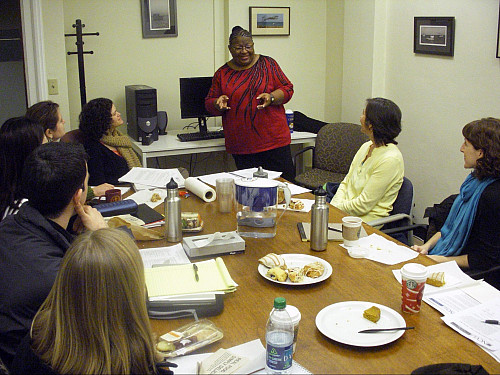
376,173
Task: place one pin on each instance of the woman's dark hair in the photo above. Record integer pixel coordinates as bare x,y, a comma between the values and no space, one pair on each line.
19,136
45,113
385,117
239,31
95,118
484,135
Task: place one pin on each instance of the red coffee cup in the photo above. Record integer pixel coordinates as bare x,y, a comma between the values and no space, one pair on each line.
413,278
113,195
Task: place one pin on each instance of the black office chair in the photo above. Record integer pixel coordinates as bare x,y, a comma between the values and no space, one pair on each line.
400,217
491,276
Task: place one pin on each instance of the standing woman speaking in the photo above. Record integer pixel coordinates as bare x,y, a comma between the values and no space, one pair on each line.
249,92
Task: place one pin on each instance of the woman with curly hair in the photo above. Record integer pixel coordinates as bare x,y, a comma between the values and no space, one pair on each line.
470,234
94,320
110,152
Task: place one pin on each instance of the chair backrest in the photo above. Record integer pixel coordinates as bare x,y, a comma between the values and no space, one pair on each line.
404,201
73,136
336,145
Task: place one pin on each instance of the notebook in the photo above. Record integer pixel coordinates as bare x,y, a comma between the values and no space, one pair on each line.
178,279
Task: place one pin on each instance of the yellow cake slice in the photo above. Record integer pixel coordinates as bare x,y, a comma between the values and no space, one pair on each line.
436,279
372,314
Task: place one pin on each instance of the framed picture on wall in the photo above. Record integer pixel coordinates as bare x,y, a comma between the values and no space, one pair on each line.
498,34
434,35
159,18
270,20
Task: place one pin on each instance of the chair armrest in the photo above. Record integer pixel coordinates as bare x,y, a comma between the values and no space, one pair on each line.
476,274
389,219
405,228
301,152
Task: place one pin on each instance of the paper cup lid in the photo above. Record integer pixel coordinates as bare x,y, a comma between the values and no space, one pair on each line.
293,312
414,271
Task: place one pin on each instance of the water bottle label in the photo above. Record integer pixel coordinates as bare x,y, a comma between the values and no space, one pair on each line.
279,358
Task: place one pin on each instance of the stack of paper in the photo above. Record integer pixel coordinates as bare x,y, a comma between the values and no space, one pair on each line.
466,303
202,277
152,177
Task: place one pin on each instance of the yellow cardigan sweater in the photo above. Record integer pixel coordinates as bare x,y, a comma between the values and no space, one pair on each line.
369,189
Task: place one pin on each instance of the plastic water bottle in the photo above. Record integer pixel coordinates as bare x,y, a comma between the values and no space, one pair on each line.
279,339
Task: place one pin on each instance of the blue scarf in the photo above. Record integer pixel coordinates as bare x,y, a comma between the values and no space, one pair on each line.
458,224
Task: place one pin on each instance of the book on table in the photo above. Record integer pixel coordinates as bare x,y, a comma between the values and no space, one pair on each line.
180,279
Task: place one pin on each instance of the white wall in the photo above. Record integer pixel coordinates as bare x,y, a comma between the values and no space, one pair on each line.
122,57
55,60
437,95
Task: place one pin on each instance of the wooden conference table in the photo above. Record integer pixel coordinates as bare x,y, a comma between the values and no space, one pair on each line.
246,310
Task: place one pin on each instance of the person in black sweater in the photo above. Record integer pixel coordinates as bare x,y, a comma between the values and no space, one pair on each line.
110,152
470,235
34,241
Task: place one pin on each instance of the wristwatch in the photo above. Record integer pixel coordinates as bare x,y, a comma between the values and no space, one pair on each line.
272,98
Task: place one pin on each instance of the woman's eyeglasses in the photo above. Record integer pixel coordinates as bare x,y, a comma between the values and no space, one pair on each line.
239,49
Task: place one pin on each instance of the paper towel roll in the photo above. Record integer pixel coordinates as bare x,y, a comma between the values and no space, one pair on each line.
199,188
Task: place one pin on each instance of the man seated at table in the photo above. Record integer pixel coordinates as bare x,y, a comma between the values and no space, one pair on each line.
34,241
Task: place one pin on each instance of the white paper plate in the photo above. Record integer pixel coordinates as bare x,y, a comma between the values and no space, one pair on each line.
342,321
299,260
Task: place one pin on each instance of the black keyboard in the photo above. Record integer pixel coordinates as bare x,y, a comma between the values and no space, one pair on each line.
188,137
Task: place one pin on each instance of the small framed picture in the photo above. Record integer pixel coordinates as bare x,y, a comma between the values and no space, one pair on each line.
498,34
159,18
434,35
270,20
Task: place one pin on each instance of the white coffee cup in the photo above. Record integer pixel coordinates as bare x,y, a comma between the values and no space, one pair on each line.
351,229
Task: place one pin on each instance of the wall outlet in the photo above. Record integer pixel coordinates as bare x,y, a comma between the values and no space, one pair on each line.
53,87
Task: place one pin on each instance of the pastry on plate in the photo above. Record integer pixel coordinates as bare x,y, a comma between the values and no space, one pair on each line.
296,274
372,314
273,260
436,279
314,270
155,197
296,204
277,274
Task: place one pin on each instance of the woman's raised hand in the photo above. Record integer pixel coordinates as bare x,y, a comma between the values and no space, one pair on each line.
221,103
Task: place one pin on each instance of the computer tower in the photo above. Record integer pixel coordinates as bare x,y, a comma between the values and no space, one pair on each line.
142,113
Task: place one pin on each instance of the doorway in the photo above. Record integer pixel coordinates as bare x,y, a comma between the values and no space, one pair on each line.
13,94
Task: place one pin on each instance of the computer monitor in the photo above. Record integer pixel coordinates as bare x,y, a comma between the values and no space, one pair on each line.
193,93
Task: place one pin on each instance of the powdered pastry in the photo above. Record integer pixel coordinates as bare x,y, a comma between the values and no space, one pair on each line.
273,260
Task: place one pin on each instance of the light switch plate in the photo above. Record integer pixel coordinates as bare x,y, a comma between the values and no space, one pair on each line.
53,86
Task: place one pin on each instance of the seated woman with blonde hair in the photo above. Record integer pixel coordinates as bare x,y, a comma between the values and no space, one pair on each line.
110,152
470,234
94,320
376,173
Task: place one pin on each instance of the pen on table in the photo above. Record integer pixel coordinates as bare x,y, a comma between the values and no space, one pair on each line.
237,175
335,229
489,321
195,268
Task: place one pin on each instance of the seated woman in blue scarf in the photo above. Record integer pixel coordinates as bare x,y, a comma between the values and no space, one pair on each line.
470,235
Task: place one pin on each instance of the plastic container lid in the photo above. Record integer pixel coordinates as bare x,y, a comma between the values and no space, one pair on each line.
414,271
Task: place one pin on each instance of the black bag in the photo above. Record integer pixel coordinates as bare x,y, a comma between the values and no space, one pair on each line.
451,369
437,215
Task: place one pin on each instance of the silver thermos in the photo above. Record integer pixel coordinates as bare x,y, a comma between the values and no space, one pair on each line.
319,221
172,204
